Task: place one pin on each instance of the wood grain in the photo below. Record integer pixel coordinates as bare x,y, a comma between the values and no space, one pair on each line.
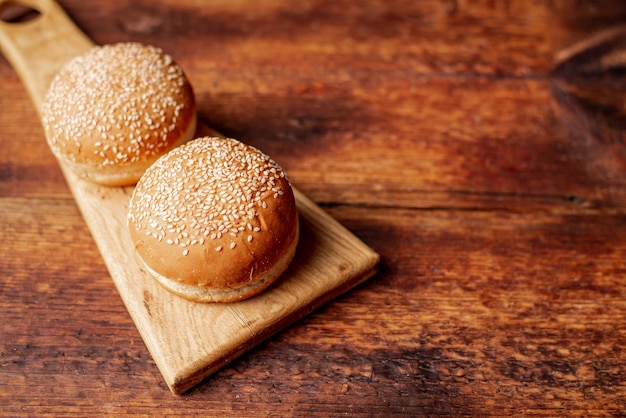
431,131
189,341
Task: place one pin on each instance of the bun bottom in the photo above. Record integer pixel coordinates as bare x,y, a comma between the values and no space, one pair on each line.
122,175
212,294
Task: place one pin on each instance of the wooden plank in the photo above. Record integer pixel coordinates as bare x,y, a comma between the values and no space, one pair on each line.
470,324
490,302
188,341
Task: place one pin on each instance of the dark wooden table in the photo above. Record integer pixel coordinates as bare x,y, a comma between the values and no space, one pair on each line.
479,147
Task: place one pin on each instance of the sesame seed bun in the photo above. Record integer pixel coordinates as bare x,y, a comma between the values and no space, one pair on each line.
110,113
214,220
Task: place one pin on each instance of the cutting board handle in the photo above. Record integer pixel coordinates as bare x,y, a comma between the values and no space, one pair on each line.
37,49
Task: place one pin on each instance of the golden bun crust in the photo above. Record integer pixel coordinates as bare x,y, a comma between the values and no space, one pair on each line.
110,113
214,220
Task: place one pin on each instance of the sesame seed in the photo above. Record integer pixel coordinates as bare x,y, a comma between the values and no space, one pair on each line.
232,245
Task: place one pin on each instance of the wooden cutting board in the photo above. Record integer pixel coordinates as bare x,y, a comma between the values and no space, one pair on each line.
187,340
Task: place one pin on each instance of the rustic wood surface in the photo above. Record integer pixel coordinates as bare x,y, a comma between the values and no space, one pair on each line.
477,146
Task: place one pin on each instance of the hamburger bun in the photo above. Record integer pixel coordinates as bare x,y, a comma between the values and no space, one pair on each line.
214,220
110,113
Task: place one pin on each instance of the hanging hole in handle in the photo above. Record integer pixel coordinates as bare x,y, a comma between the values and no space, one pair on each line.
15,12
